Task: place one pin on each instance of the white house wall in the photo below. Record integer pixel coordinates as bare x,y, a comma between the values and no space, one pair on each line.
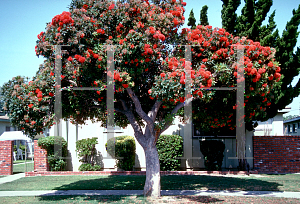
73,133
3,125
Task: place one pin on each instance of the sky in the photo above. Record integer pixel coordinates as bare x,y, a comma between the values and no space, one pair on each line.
21,21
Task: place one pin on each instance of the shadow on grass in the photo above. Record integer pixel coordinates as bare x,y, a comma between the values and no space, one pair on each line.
203,182
130,199
178,182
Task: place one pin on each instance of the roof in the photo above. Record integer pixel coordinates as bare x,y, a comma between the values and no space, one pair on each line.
4,118
285,110
292,120
14,135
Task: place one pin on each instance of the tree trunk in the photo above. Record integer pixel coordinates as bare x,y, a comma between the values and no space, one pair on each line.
152,184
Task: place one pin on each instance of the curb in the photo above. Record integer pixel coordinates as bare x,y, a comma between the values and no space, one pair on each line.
163,193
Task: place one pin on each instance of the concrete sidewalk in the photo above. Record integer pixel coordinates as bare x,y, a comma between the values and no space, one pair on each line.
163,192
11,178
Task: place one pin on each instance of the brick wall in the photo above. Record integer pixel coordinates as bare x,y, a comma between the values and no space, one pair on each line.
276,154
6,157
40,158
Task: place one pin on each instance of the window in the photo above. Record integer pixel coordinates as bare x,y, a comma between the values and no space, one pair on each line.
298,124
197,132
8,128
117,129
294,128
289,128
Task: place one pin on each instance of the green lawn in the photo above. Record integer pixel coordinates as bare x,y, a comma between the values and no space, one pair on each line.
20,167
289,182
141,199
22,161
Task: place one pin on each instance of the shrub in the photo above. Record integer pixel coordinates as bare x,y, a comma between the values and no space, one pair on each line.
22,147
89,167
122,148
55,159
170,148
87,152
213,152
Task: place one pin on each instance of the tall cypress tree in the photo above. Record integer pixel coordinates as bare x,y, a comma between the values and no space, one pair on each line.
192,20
229,17
203,16
249,24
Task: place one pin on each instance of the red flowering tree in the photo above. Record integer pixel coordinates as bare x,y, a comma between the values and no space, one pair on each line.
151,73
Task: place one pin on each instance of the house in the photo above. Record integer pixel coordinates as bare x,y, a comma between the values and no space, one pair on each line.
291,126
5,124
195,161
73,133
273,126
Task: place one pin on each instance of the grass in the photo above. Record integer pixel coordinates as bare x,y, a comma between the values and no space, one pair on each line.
289,182
141,199
20,167
22,161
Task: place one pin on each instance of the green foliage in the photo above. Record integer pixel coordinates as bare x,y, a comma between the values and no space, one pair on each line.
56,148
250,23
2,99
87,152
169,148
90,167
86,149
213,152
192,20
228,14
290,117
203,16
22,147
122,149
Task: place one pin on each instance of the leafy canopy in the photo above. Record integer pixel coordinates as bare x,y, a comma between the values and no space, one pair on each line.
150,67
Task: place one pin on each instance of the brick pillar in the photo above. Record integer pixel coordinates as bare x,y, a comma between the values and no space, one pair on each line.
40,158
6,157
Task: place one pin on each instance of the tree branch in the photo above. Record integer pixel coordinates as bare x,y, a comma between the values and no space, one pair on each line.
73,82
174,111
140,111
138,132
152,114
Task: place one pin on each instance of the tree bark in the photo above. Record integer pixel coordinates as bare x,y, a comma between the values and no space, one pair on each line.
152,185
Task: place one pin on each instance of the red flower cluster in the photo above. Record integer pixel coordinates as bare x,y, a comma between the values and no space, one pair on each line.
118,28
160,36
148,50
41,36
101,31
80,58
112,6
61,19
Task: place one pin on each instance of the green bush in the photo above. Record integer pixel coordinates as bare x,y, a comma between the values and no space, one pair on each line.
122,148
87,152
213,152
170,148
56,159
22,147
89,167
86,149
